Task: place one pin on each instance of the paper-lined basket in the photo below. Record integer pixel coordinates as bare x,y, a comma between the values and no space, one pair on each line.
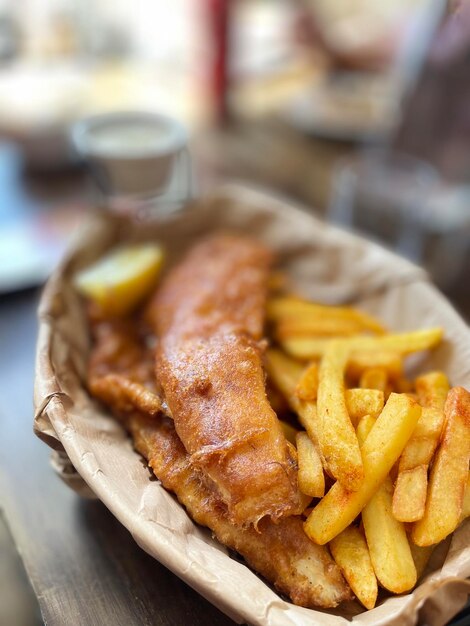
323,263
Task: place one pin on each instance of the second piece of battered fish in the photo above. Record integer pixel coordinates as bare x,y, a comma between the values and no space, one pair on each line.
121,368
209,316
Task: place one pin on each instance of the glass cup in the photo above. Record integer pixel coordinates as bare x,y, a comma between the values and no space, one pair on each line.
403,202
139,162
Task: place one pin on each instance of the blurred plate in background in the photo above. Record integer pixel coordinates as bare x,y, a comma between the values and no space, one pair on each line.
32,245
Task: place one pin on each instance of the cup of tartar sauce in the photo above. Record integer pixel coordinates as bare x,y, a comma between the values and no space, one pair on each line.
139,161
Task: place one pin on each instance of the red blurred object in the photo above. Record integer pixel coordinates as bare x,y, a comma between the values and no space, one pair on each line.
218,13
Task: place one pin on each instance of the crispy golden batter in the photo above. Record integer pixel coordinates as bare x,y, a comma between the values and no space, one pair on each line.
122,393
208,315
280,552
120,370
221,285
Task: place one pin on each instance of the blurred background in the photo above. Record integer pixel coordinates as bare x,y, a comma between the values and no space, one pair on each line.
322,100
358,110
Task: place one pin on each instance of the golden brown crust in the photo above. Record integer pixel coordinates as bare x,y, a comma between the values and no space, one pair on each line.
120,369
124,394
220,284
209,318
120,347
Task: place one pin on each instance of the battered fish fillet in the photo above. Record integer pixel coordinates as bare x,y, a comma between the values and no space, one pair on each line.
208,316
281,552
121,368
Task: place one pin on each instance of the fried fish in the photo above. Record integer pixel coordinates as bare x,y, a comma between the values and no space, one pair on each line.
208,316
121,368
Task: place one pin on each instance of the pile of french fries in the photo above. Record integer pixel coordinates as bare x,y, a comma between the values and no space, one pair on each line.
384,459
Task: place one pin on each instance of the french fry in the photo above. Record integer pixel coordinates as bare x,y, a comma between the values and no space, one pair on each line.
387,541
285,373
387,360
310,477
403,343
374,378
292,307
409,498
289,432
350,551
307,386
421,556
466,501
449,473
323,326
338,441
424,441
360,402
432,389
308,417
386,537
364,427
380,450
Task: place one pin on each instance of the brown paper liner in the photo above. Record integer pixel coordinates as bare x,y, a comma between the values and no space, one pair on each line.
322,262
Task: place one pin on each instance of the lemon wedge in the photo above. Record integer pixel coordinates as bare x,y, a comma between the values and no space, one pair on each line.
119,281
